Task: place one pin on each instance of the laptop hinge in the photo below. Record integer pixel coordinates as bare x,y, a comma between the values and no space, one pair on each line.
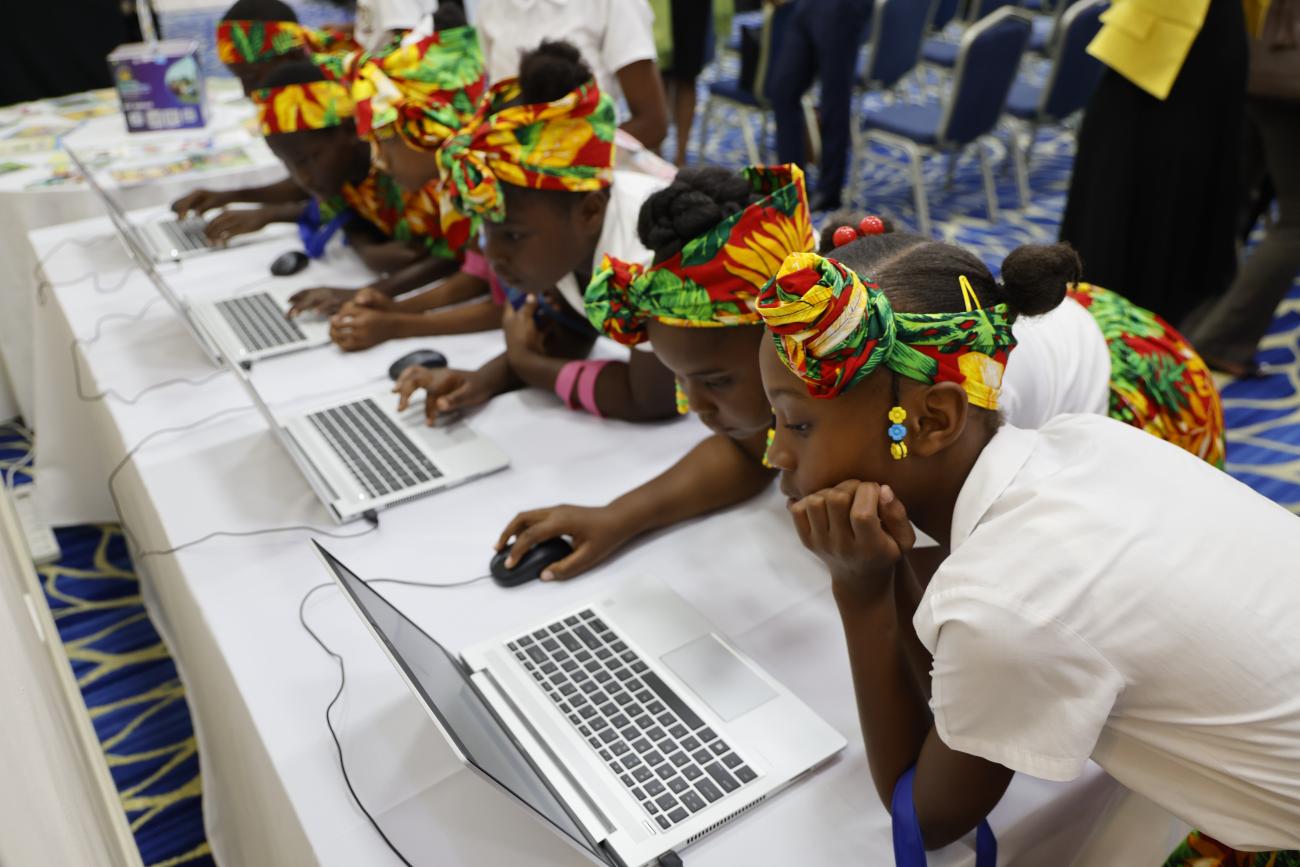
596,833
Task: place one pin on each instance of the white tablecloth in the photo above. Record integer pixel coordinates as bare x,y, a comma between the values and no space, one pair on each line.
256,683
25,205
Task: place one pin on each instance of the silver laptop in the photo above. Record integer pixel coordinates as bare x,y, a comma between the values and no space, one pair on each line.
165,239
246,327
361,456
628,724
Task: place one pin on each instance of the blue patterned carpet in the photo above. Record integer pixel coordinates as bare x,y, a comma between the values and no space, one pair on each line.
132,692
131,686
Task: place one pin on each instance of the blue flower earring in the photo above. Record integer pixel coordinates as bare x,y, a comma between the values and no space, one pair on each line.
897,429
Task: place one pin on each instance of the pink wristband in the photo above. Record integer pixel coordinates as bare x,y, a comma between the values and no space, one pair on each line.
476,265
587,386
564,382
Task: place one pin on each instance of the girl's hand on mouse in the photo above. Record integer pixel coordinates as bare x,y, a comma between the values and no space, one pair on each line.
354,328
596,533
320,299
240,221
446,390
860,531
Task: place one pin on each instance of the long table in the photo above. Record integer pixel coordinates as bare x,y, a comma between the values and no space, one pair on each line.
48,191
257,684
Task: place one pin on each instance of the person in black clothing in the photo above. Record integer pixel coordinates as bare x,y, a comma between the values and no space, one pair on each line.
1152,204
822,42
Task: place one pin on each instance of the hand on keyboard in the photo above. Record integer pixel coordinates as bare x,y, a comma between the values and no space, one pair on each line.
241,221
319,299
199,202
354,328
596,533
446,390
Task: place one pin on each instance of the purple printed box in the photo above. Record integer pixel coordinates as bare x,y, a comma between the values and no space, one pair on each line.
160,85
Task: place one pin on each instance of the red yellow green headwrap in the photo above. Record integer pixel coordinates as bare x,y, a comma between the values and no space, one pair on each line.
567,144
424,92
299,107
715,278
832,329
259,41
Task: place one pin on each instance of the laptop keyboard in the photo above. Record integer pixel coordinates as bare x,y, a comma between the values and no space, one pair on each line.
656,745
187,235
258,322
378,454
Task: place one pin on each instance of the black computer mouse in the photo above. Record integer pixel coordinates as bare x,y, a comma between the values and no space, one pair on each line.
531,565
288,264
430,358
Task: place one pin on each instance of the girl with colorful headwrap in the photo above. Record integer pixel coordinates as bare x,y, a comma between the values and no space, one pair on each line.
536,167
253,39
717,237
410,98
1091,605
308,125
1096,352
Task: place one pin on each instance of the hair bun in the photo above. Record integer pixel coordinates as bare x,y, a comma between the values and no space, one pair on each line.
1036,276
696,201
449,15
550,71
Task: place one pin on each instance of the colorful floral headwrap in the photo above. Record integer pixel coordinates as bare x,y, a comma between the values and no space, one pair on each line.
715,278
424,92
300,107
260,41
832,329
567,144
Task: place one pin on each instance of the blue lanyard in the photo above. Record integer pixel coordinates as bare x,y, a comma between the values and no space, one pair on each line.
909,849
314,236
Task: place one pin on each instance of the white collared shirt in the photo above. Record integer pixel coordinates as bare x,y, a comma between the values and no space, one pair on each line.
618,236
610,34
1110,596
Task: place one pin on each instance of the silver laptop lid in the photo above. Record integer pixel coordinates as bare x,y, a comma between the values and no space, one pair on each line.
464,719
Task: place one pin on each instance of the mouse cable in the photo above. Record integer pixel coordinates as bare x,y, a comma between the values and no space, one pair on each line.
670,859
42,283
343,681
98,331
372,520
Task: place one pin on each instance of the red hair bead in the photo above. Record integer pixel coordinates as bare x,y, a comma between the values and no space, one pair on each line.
844,235
872,226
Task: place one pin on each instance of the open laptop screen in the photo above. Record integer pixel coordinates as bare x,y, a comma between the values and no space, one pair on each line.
465,719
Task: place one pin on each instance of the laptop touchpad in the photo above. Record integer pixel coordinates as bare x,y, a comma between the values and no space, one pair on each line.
717,675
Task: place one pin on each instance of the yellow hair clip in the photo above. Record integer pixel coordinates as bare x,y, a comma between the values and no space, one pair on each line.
968,294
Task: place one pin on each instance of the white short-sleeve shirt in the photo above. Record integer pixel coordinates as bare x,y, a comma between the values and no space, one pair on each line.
1110,596
1061,364
618,236
610,34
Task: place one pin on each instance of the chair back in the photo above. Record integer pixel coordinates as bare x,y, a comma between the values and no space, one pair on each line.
1058,14
978,10
1075,72
941,14
987,61
776,23
897,31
